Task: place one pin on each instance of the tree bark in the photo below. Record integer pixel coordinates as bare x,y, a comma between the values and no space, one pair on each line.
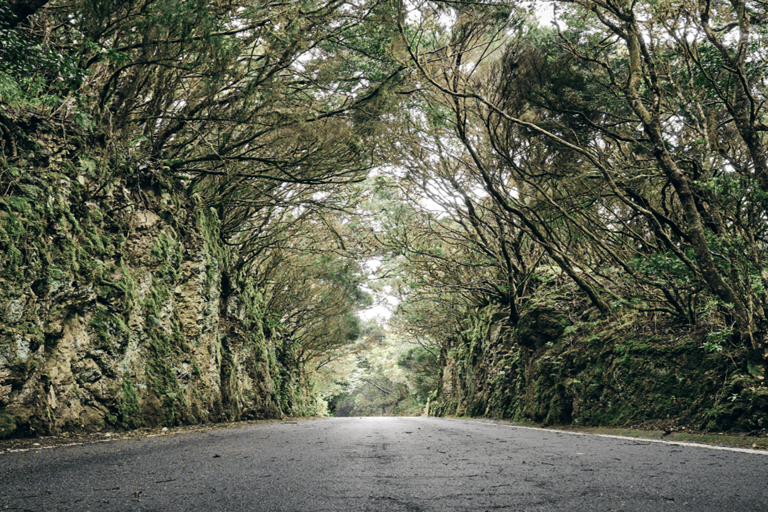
680,182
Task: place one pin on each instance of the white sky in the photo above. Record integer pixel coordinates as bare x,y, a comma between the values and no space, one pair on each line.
385,302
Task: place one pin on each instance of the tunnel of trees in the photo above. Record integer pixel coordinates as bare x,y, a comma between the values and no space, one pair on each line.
613,156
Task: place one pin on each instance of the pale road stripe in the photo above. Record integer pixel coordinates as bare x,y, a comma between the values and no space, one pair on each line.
675,443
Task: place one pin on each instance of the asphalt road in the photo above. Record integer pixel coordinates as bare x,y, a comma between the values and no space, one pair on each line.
383,464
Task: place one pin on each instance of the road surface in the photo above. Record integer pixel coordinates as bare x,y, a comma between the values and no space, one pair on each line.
383,464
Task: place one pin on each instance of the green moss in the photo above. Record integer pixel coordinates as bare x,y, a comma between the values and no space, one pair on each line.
110,329
163,352
7,425
129,406
12,233
167,255
754,370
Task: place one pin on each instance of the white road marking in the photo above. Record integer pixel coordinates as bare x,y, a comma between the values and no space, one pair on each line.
660,441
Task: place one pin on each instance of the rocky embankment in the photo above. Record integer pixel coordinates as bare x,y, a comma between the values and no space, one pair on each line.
117,308
551,370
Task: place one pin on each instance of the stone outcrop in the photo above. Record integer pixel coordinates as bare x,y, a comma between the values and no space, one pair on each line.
548,370
111,306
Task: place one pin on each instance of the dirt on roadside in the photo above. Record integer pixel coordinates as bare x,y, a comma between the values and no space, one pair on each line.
75,438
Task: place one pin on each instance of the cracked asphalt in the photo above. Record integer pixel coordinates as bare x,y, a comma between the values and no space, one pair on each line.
383,464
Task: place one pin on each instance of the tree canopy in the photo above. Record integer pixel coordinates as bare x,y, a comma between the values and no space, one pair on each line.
622,149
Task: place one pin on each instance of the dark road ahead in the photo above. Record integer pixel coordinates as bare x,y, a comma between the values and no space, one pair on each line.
387,464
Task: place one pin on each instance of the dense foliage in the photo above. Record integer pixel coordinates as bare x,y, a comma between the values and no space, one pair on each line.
623,150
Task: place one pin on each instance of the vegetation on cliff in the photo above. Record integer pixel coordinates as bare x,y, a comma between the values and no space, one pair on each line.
174,184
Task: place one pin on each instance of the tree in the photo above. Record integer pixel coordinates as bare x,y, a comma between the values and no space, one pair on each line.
390,377
254,107
266,113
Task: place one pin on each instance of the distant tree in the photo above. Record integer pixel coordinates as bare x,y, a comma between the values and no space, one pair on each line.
313,292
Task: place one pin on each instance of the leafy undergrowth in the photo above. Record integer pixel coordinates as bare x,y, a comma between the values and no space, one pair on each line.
555,368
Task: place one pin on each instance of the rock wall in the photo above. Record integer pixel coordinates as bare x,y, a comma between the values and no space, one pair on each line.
111,306
547,370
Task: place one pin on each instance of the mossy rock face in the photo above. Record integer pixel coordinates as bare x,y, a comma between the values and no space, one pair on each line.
743,407
129,406
111,311
560,409
265,412
539,326
603,372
